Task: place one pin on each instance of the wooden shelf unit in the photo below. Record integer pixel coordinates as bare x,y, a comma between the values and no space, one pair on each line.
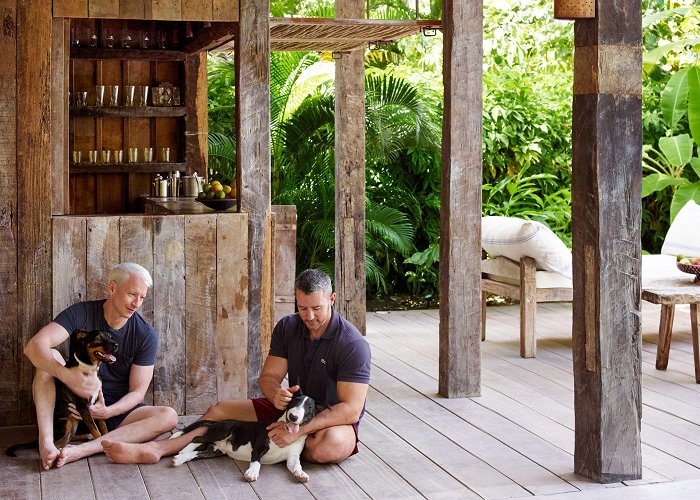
110,188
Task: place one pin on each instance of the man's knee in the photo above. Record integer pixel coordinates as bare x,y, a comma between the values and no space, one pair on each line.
329,447
168,417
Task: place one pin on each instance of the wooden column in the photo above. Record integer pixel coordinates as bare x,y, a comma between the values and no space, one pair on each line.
253,168
196,102
34,157
350,276
460,211
10,336
607,175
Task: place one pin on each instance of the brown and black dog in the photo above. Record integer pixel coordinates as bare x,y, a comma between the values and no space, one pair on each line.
88,349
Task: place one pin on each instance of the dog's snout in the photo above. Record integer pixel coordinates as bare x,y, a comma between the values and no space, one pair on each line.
293,417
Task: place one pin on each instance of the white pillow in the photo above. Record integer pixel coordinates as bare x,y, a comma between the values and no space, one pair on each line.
514,238
683,237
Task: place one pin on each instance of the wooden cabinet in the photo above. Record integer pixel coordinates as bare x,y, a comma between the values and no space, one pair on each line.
113,186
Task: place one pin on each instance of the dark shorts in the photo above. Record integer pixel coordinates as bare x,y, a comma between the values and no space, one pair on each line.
114,422
265,410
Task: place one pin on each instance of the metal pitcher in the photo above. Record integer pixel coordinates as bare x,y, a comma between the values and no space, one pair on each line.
189,185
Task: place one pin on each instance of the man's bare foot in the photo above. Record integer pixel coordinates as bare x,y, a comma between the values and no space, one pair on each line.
131,453
47,455
69,453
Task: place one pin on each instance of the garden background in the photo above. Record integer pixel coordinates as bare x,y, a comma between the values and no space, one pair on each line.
527,89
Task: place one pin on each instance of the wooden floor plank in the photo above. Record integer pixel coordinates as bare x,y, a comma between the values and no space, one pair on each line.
116,481
165,482
20,474
70,481
221,478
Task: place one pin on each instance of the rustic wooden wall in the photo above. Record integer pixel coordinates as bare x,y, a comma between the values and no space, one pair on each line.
460,212
350,273
10,338
170,10
607,217
198,303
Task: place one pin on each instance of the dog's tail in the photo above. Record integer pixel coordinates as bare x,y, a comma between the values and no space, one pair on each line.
11,451
195,425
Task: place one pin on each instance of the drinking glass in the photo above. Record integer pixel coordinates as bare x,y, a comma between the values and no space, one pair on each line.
147,155
133,155
143,95
99,95
129,93
106,155
165,154
114,95
117,155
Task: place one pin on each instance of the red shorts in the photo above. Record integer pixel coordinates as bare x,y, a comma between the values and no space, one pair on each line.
265,410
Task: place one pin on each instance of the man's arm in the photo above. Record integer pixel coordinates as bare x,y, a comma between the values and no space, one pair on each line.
347,411
139,378
82,381
271,376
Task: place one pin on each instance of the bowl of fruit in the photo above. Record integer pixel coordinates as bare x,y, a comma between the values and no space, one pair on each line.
217,196
690,265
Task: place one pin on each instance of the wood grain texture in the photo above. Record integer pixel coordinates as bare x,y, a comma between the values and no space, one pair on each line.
10,338
284,266
135,9
104,8
59,115
225,10
70,8
169,311
103,254
34,155
232,321
69,245
166,10
200,306
253,161
606,210
196,126
197,10
460,214
350,279
136,245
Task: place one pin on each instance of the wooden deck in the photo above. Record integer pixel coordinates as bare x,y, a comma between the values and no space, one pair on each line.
516,440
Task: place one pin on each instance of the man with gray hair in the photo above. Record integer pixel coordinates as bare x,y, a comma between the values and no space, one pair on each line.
123,383
323,354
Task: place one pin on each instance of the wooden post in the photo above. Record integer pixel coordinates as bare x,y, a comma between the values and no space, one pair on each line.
460,212
350,276
196,102
34,155
253,167
607,150
10,337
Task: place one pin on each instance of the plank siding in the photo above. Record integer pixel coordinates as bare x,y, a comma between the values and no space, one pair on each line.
166,9
104,8
232,321
169,311
59,114
70,8
200,305
284,268
606,212
34,155
350,279
10,338
253,164
460,214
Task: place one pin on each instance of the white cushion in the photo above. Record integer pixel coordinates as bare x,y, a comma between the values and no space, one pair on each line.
508,271
683,237
514,238
657,266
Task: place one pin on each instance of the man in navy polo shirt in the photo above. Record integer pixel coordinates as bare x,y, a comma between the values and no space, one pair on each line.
322,353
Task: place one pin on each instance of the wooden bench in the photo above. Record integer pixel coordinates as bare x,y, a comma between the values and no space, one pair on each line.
523,282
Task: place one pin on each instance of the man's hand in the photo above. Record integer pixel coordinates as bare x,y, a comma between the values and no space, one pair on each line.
99,410
82,381
283,396
280,436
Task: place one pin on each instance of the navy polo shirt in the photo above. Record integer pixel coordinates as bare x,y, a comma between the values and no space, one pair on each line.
341,354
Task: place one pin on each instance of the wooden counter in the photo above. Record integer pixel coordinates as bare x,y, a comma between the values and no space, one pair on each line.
180,205
199,300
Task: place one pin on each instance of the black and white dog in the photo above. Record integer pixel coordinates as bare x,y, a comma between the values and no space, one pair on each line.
249,441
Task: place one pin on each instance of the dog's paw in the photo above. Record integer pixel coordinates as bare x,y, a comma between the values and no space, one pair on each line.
253,472
175,434
181,458
301,476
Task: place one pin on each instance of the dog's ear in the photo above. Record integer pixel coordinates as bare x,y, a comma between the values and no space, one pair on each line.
80,335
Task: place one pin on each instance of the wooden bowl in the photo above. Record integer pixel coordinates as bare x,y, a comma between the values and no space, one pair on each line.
690,269
218,205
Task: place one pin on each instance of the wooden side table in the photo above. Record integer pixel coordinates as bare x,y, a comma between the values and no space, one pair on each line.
668,292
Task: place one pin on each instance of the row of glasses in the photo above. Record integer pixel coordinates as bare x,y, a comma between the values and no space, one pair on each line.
134,95
117,155
124,38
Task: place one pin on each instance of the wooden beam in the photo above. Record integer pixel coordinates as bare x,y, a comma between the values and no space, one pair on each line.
10,337
460,212
350,279
210,38
607,158
34,155
196,123
252,62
